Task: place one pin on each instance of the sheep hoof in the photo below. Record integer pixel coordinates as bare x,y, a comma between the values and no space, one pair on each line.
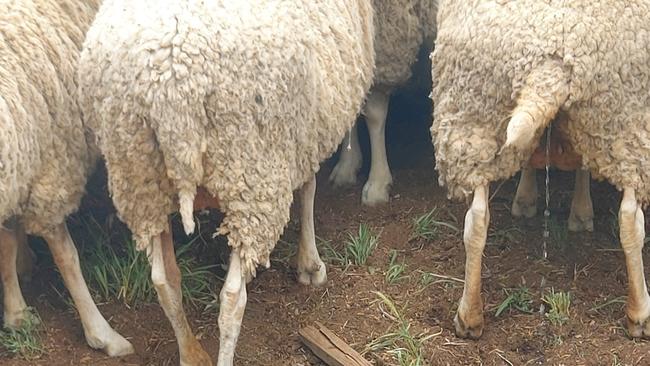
638,328
524,209
345,173
577,223
375,193
16,320
312,274
469,327
112,343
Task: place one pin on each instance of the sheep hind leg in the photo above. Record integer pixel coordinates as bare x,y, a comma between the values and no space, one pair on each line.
582,210
15,308
377,188
166,277
98,332
632,232
525,202
346,169
231,310
469,319
311,269
25,256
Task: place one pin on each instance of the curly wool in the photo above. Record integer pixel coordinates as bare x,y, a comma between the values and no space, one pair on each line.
244,98
44,154
402,27
487,52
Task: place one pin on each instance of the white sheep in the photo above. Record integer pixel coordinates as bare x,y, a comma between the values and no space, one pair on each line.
44,155
243,99
402,28
502,71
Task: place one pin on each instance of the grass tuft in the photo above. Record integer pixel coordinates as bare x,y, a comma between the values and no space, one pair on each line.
404,346
126,275
518,298
427,226
330,254
559,303
359,247
25,341
395,270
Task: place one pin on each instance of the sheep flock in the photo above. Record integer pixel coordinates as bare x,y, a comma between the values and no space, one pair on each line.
234,105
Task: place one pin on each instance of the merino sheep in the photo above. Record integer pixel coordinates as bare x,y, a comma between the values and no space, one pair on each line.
243,99
402,28
44,155
502,71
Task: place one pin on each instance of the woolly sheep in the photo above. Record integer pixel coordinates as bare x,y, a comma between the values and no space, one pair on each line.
402,28
243,99
44,156
502,71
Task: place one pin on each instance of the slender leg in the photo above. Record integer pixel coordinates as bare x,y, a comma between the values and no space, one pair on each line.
525,202
376,189
632,228
582,210
25,256
345,171
469,319
15,308
231,311
311,269
99,333
166,278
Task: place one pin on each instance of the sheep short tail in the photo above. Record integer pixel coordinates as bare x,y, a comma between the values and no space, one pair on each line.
186,201
545,91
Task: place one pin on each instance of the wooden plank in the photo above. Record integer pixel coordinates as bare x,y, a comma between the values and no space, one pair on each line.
329,347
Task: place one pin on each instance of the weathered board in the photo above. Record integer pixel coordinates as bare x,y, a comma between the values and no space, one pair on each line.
330,348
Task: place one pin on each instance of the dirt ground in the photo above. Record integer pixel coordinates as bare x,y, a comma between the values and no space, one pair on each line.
590,266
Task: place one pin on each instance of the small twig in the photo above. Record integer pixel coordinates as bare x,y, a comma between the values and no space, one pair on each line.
446,277
498,352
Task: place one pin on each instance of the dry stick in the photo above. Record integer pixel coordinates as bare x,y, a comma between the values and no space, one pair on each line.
329,348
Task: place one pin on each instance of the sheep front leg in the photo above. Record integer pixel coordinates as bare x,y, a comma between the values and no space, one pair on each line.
166,277
98,332
376,189
15,308
469,319
346,169
632,232
311,269
582,210
525,202
231,310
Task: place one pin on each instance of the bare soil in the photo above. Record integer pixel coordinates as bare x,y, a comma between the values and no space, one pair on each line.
589,265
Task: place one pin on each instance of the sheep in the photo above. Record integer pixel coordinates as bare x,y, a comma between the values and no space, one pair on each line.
402,29
44,155
502,71
242,99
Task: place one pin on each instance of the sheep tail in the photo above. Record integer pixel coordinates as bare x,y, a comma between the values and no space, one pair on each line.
186,202
545,91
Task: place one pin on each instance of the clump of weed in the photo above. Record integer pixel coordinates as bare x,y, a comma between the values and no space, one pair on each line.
395,270
400,342
517,298
25,341
559,303
126,274
359,247
428,226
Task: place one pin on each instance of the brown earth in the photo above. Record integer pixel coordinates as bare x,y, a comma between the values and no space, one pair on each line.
590,266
